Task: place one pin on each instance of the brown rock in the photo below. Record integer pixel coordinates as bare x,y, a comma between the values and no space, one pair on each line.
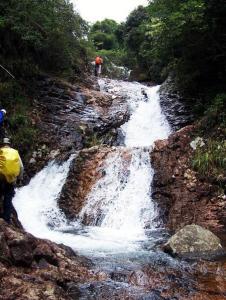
184,198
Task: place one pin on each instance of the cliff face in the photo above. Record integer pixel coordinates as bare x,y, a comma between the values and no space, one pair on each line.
183,197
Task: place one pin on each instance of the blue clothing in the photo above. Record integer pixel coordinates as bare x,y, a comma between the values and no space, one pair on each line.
1,117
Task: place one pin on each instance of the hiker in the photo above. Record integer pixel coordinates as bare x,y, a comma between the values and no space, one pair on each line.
98,65
2,118
11,168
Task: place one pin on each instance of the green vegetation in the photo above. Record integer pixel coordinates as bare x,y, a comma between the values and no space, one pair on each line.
210,160
107,38
37,37
182,38
19,126
41,35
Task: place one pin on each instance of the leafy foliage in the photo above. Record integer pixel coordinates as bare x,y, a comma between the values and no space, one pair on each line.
46,35
104,34
186,38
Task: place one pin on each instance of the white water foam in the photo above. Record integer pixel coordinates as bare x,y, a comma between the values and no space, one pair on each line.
121,199
36,205
147,124
119,205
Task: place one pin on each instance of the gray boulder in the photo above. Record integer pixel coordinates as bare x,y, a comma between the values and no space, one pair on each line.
193,240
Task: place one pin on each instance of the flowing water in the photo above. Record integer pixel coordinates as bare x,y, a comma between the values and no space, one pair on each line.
123,226
120,204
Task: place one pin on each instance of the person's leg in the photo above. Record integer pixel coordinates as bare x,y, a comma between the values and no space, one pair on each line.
99,70
96,70
7,203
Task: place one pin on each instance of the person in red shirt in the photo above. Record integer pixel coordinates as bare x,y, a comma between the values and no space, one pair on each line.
98,64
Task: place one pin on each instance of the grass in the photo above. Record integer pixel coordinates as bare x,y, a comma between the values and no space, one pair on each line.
210,160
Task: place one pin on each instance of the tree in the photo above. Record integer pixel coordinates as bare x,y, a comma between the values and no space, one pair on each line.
105,35
34,34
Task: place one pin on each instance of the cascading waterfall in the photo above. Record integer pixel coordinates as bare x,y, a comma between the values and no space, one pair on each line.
121,199
119,206
118,200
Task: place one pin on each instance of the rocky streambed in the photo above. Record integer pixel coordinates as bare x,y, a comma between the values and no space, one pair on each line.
77,121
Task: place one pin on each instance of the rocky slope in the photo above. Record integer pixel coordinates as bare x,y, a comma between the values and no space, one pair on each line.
32,268
72,117
69,113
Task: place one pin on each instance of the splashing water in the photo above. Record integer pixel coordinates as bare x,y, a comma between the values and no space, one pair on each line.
119,207
121,200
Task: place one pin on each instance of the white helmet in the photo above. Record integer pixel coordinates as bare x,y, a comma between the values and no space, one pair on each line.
4,111
6,141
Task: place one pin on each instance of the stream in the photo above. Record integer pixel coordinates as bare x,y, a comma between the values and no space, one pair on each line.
123,233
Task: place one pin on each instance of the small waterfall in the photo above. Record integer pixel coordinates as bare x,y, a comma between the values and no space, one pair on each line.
119,207
36,203
121,199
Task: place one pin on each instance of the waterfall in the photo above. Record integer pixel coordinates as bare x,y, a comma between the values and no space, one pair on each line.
119,206
121,200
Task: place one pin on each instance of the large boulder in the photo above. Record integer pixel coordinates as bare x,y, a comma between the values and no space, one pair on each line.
193,239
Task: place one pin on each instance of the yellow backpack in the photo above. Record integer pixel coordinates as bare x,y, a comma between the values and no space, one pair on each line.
9,163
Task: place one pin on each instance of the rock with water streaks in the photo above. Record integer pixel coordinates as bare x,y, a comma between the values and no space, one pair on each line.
176,108
63,109
85,170
71,117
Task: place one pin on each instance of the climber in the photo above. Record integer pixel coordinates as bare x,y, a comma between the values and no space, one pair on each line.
11,168
98,65
2,118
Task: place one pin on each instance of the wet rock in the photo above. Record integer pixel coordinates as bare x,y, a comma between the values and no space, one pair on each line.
43,251
84,171
176,109
193,239
32,161
21,252
63,110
